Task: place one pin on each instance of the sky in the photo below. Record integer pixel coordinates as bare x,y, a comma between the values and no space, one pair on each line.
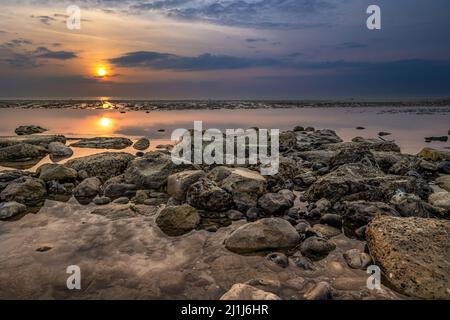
225,49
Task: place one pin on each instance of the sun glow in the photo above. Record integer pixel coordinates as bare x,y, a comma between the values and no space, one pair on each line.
105,122
101,72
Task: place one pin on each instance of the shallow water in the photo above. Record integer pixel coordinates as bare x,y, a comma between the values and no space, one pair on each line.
408,125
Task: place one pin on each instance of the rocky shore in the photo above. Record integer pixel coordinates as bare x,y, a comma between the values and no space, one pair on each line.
140,226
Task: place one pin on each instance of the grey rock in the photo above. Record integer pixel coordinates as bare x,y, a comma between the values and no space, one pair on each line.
59,150
87,190
176,221
28,191
206,195
316,248
179,183
278,258
22,152
30,129
118,190
142,144
357,259
276,203
11,209
101,201
57,172
103,143
333,220
122,200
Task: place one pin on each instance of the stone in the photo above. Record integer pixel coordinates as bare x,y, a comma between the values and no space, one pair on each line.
357,259
59,150
434,155
234,215
253,214
206,195
316,248
333,220
246,186
142,144
178,220
57,172
118,190
440,139
321,291
103,165
116,211
444,167
152,170
413,253
11,209
299,128
444,182
22,152
31,129
351,182
121,200
140,197
353,154
26,190
326,231
103,143
278,258
383,134
7,176
36,140
263,235
440,200
302,262
410,205
87,190
276,203
245,292
179,183
317,138
101,201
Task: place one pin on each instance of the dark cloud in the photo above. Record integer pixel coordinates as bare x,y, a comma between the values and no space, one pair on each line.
351,45
44,19
17,43
43,52
31,59
252,40
204,62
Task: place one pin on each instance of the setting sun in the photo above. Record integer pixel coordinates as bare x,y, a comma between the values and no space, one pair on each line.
101,72
105,122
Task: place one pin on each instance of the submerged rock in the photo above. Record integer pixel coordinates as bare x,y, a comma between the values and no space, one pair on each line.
241,291
178,220
263,235
414,253
31,129
357,259
103,143
321,291
116,211
103,165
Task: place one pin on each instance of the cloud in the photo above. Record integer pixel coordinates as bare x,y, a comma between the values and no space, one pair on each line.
351,45
17,43
44,19
253,40
31,59
204,62
43,52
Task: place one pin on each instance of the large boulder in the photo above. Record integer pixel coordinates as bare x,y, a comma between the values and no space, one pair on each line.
207,195
434,155
245,292
263,235
22,152
57,172
245,185
11,209
357,181
103,165
103,143
179,183
36,140
178,220
30,129
152,170
414,254
26,190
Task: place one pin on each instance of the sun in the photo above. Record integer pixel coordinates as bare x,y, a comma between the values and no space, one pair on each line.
101,72
105,122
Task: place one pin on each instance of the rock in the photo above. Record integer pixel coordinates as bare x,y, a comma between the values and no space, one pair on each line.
101,201
263,235
303,262
360,128
140,197
357,259
11,209
333,220
22,152
246,186
206,195
253,214
122,200
299,128
409,205
413,253
440,200
317,138
44,248
35,140
444,182
351,182
234,215
278,258
444,167
321,291
57,172
326,231
7,176
434,155
245,292
179,183
59,150
316,248
440,139
116,211
140,154
28,191
87,190
103,143
24,130
178,220
383,134
357,214
103,165
142,144
276,203
119,190
152,170
353,154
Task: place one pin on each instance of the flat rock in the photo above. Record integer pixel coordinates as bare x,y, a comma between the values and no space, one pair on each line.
36,140
414,253
30,129
22,152
117,211
103,143
263,235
